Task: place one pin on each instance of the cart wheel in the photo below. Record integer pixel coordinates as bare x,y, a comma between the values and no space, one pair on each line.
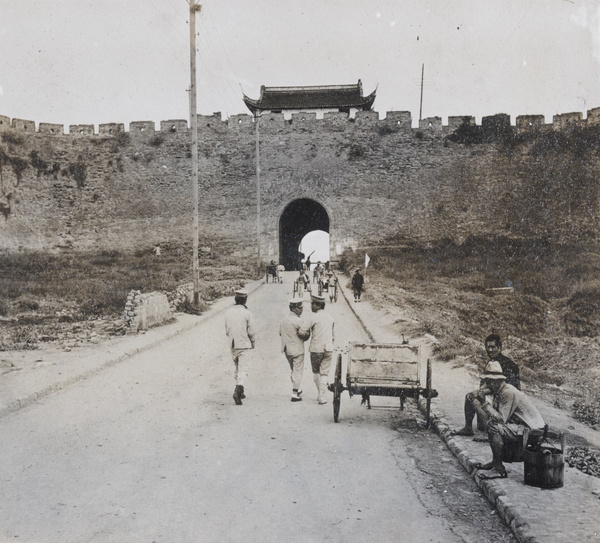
337,389
428,392
267,277
320,288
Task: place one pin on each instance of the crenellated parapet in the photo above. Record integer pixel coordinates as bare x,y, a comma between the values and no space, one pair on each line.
48,128
593,116
118,185
530,122
566,120
394,121
176,125
22,124
139,127
455,121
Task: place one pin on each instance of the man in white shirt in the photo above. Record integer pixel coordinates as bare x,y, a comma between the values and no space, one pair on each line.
292,344
239,326
320,325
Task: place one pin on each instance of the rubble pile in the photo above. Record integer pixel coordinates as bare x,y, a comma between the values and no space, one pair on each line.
584,459
588,413
134,300
181,297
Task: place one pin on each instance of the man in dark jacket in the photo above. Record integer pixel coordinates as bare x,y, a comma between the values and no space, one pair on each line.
357,284
493,348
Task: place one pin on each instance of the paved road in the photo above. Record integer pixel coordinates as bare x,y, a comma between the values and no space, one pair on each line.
154,449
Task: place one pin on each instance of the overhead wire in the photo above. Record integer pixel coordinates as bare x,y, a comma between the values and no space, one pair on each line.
214,77
165,19
233,91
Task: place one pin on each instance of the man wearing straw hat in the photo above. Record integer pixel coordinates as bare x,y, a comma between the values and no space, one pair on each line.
292,345
507,418
239,326
320,327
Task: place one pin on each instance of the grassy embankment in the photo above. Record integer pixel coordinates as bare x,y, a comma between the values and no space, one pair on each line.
42,294
549,317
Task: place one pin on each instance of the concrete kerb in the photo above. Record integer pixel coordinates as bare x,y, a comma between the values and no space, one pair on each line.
359,318
491,489
33,397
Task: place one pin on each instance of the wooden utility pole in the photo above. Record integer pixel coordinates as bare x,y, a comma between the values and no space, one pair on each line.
421,102
257,121
194,8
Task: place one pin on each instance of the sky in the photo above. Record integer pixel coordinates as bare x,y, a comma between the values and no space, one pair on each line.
104,61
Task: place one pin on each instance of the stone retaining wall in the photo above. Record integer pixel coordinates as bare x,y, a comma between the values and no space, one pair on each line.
142,311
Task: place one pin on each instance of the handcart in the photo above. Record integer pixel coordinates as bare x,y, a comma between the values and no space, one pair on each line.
329,284
273,274
383,369
301,285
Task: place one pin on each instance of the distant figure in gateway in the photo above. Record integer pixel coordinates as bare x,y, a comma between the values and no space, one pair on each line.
300,260
308,262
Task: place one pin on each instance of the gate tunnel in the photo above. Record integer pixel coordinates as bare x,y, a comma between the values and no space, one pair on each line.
298,219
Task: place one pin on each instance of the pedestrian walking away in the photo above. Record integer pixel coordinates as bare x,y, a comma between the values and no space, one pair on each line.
493,348
303,283
320,326
292,345
239,327
357,284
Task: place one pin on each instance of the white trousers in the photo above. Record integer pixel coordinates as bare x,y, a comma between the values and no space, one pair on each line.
297,366
241,359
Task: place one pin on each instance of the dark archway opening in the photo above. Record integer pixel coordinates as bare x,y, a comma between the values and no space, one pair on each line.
298,219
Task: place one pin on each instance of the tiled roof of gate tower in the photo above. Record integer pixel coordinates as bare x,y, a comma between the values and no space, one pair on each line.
342,97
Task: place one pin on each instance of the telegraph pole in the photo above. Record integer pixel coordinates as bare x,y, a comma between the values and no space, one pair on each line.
194,8
257,120
421,102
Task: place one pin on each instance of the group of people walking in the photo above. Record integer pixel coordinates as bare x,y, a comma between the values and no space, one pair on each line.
502,411
294,330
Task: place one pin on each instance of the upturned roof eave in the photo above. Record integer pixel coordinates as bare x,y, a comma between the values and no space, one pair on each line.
252,105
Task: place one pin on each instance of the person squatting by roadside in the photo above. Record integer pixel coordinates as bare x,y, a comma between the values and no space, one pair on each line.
239,327
493,348
506,419
320,326
357,284
292,345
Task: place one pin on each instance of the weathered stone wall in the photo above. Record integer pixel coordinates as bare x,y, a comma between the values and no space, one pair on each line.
374,177
143,311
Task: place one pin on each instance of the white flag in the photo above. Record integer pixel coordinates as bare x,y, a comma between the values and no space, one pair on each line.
367,260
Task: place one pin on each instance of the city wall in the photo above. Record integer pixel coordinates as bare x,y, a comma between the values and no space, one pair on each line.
375,177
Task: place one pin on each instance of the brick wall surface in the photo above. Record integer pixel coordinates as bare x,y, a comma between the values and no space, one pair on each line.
374,177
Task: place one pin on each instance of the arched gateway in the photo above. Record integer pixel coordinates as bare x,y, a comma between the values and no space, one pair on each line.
298,219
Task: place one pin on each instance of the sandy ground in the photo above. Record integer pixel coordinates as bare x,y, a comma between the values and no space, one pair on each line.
154,449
